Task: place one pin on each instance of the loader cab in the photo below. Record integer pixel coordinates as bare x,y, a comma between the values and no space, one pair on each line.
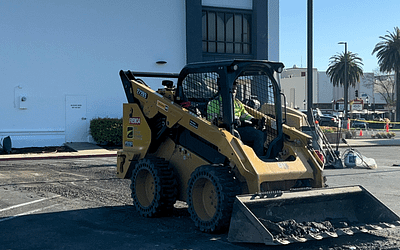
202,85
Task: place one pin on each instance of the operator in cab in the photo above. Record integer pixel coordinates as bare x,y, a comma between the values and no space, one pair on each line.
245,122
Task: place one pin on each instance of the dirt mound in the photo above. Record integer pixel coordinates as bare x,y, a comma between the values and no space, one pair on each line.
292,228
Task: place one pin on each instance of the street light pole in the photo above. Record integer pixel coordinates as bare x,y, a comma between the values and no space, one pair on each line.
346,84
310,117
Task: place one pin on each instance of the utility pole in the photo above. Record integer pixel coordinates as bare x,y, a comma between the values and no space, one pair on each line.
346,83
310,117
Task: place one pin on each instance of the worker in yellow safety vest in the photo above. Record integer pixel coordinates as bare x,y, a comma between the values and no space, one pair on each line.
248,134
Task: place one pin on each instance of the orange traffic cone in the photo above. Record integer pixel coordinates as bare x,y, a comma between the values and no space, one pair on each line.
348,124
387,127
361,134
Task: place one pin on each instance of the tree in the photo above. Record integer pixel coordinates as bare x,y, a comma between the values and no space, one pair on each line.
336,69
384,85
337,72
388,54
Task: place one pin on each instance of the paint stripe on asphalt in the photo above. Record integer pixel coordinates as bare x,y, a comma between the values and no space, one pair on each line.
26,213
28,203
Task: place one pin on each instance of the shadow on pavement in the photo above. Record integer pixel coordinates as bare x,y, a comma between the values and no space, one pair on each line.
121,227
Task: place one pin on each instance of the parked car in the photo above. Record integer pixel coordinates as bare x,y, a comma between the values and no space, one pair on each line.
359,124
327,120
324,120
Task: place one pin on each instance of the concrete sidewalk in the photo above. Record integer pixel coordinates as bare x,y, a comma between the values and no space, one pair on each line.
82,150
370,142
85,150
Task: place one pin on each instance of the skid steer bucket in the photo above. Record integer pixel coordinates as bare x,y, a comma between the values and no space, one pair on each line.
279,218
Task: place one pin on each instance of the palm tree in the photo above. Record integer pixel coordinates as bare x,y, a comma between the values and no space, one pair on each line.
337,72
388,54
336,69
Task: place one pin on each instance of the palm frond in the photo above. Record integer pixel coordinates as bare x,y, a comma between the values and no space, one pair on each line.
388,51
336,68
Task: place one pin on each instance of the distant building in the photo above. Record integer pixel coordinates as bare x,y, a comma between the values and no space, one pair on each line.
48,106
294,86
325,95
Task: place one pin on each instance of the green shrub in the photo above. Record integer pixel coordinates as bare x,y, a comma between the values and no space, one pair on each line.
106,131
328,130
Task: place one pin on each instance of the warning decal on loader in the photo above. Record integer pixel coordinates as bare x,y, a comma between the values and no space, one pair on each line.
141,93
133,133
129,132
128,144
134,120
162,105
194,124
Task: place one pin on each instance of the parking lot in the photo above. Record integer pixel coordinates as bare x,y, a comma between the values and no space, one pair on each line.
78,203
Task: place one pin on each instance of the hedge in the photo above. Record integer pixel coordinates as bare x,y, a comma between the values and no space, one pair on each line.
106,131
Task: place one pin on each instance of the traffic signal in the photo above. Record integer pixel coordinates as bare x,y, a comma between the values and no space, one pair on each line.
356,93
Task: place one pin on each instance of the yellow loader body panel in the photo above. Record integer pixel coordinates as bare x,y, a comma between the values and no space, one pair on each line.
136,137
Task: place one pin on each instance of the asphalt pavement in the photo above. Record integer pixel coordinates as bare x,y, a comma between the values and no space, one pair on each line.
79,204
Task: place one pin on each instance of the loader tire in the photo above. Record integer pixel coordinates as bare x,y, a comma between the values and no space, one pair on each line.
154,187
211,193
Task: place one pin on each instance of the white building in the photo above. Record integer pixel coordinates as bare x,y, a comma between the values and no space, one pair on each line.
362,90
294,86
338,91
61,59
325,95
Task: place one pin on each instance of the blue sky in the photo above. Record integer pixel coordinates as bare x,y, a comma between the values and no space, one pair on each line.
357,22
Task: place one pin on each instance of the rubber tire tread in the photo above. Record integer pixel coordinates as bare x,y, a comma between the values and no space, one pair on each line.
227,187
165,187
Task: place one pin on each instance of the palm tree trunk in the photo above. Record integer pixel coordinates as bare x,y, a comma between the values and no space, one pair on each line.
397,82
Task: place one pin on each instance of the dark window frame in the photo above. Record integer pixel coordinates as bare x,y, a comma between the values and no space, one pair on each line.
231,41
194,47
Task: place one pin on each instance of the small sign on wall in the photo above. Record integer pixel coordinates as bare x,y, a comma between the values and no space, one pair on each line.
76,106
357,106
20,98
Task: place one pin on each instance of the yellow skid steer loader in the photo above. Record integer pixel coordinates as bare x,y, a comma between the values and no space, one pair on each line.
218,141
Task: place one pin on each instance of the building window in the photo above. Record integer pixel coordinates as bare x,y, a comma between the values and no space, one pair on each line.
226,31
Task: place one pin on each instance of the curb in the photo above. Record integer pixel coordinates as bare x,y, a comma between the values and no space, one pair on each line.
47,157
